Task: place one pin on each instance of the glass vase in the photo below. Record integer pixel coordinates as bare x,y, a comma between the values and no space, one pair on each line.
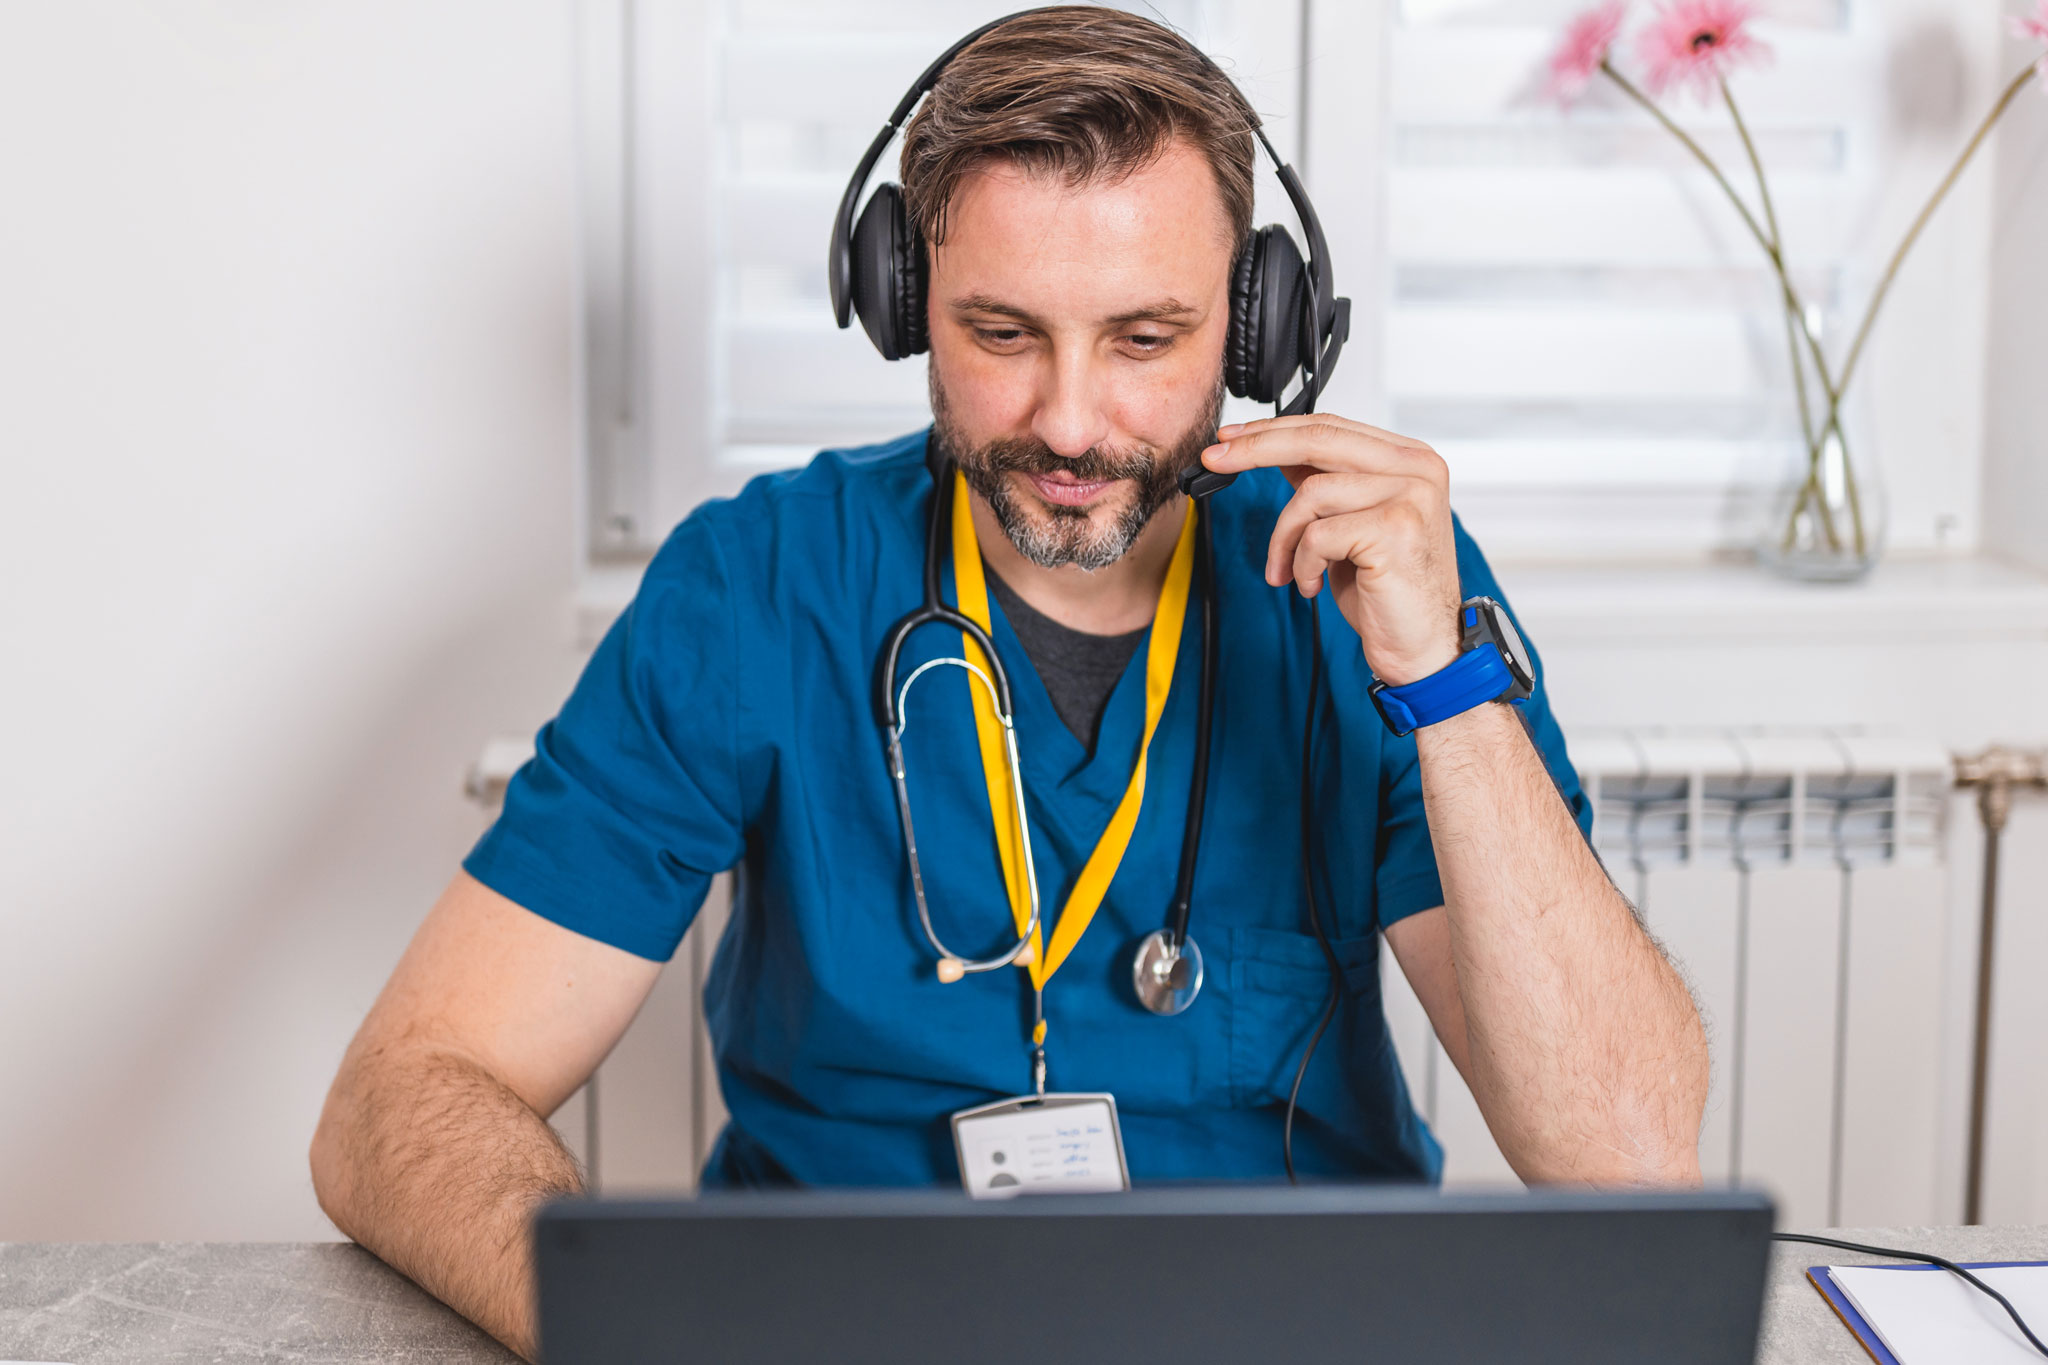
1827,518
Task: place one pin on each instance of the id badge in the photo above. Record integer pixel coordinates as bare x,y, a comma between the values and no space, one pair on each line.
1041,1144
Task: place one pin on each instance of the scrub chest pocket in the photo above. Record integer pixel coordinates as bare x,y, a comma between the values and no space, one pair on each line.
1280,985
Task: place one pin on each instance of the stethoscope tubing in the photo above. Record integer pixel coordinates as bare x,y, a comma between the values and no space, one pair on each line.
891,707
900,780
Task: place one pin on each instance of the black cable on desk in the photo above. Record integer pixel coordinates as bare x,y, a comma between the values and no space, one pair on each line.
1922,1256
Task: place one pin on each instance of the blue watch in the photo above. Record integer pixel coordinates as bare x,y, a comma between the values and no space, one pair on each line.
1493,667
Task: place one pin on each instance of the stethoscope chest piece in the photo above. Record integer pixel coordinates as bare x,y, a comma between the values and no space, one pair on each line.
1167,972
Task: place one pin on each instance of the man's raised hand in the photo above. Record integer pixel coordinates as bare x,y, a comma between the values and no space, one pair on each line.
1373,511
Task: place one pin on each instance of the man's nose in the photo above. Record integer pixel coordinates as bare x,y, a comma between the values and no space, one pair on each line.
1070,418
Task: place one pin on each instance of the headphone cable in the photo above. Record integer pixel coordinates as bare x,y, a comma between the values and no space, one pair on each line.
1205,711
1308,880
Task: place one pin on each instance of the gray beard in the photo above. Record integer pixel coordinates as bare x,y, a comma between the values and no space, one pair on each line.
1070,536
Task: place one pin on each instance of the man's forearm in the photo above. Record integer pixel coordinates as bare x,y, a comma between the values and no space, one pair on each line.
428,1161
1585,1051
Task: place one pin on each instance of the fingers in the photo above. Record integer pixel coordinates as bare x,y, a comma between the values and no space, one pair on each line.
1355,538
1309,419
1371,511
1321,441
1323,495
1327,541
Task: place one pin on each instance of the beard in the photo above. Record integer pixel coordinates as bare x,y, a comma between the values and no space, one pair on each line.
1052,535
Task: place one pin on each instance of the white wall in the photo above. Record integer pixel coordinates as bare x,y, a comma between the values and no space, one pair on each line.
2016,527
287,422
2016,439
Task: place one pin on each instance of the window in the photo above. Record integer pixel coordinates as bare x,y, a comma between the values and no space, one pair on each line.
1557,301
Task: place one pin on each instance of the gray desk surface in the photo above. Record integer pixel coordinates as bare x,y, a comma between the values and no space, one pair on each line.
319,1303
329,1303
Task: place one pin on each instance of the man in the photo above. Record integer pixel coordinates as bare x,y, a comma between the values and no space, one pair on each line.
1083,179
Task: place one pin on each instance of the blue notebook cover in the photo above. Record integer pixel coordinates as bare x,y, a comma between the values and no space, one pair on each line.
1818,1276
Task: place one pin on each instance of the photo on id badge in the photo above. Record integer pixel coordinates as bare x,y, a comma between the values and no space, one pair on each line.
1041,1144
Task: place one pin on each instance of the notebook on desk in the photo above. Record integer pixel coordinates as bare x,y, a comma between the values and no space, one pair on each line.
1922,1315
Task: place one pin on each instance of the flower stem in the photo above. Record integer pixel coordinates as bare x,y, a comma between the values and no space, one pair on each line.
1777,247
1699,154
1770,248
1794,308
1912,236
1898,260
1763,185
1816,442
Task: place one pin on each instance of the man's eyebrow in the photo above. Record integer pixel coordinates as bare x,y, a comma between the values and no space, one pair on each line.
1166,310
988,303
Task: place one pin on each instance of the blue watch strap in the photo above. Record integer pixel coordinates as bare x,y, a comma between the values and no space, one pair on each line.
1477,676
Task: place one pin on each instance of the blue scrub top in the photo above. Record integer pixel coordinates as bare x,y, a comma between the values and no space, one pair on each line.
727,721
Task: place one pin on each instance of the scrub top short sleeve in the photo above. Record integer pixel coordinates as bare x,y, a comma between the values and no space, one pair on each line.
1405,875
631,804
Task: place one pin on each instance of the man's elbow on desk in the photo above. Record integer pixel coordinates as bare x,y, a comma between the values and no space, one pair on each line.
1637,1126
1648,1143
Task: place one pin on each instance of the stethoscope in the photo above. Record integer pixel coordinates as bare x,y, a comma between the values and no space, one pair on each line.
1166,970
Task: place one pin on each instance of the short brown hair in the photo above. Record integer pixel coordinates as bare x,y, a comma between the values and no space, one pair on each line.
1083,92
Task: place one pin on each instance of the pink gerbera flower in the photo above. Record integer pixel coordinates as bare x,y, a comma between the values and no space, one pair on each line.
1693,44
1585,46
2036,27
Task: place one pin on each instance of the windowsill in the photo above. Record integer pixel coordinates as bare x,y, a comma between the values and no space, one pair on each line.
1622,604
1733,602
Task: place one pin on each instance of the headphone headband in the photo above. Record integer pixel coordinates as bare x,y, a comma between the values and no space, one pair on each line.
840,267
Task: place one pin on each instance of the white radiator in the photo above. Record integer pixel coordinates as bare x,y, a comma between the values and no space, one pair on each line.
1796,879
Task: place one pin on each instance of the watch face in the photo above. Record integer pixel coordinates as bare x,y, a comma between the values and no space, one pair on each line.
1510,641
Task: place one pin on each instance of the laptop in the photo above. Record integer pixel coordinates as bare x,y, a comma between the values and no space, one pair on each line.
1186,1276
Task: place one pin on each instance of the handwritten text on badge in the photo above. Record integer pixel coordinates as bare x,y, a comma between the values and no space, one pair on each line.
1049,1150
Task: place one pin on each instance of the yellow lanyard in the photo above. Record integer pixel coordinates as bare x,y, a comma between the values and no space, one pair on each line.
1160,657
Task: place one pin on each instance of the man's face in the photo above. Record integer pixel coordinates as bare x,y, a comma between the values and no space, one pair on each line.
1077,347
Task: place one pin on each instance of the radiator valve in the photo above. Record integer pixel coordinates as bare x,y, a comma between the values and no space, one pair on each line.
1994,773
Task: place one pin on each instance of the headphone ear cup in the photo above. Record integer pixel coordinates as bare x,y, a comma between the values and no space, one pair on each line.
1279,301
888,276
912,325
1241,345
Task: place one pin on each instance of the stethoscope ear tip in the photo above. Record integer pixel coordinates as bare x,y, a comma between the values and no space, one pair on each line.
951,969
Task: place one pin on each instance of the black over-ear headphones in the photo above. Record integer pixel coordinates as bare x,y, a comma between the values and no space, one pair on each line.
1284,313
